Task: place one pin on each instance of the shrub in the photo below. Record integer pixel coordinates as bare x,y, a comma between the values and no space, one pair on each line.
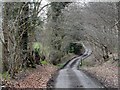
5,75
55,57
44,62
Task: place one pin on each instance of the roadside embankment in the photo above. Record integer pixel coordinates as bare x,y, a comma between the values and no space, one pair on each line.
107,73
35,78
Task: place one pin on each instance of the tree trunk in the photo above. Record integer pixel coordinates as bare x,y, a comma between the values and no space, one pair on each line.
5,34
23,32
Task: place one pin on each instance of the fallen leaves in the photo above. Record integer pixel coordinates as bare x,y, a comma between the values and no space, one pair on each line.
37,78
106,73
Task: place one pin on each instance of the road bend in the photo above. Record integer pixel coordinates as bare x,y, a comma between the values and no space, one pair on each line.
71,77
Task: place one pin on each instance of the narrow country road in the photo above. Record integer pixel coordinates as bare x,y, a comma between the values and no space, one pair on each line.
71,77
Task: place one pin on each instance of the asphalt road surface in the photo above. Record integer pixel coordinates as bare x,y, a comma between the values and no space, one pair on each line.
71,77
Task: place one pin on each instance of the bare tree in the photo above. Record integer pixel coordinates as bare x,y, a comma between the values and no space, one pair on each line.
17,27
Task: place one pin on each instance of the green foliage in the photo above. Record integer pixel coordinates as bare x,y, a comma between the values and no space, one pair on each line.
44,62
75,48
59,65
5,75
36,46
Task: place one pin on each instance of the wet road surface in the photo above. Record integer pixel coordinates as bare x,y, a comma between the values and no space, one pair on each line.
71,77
